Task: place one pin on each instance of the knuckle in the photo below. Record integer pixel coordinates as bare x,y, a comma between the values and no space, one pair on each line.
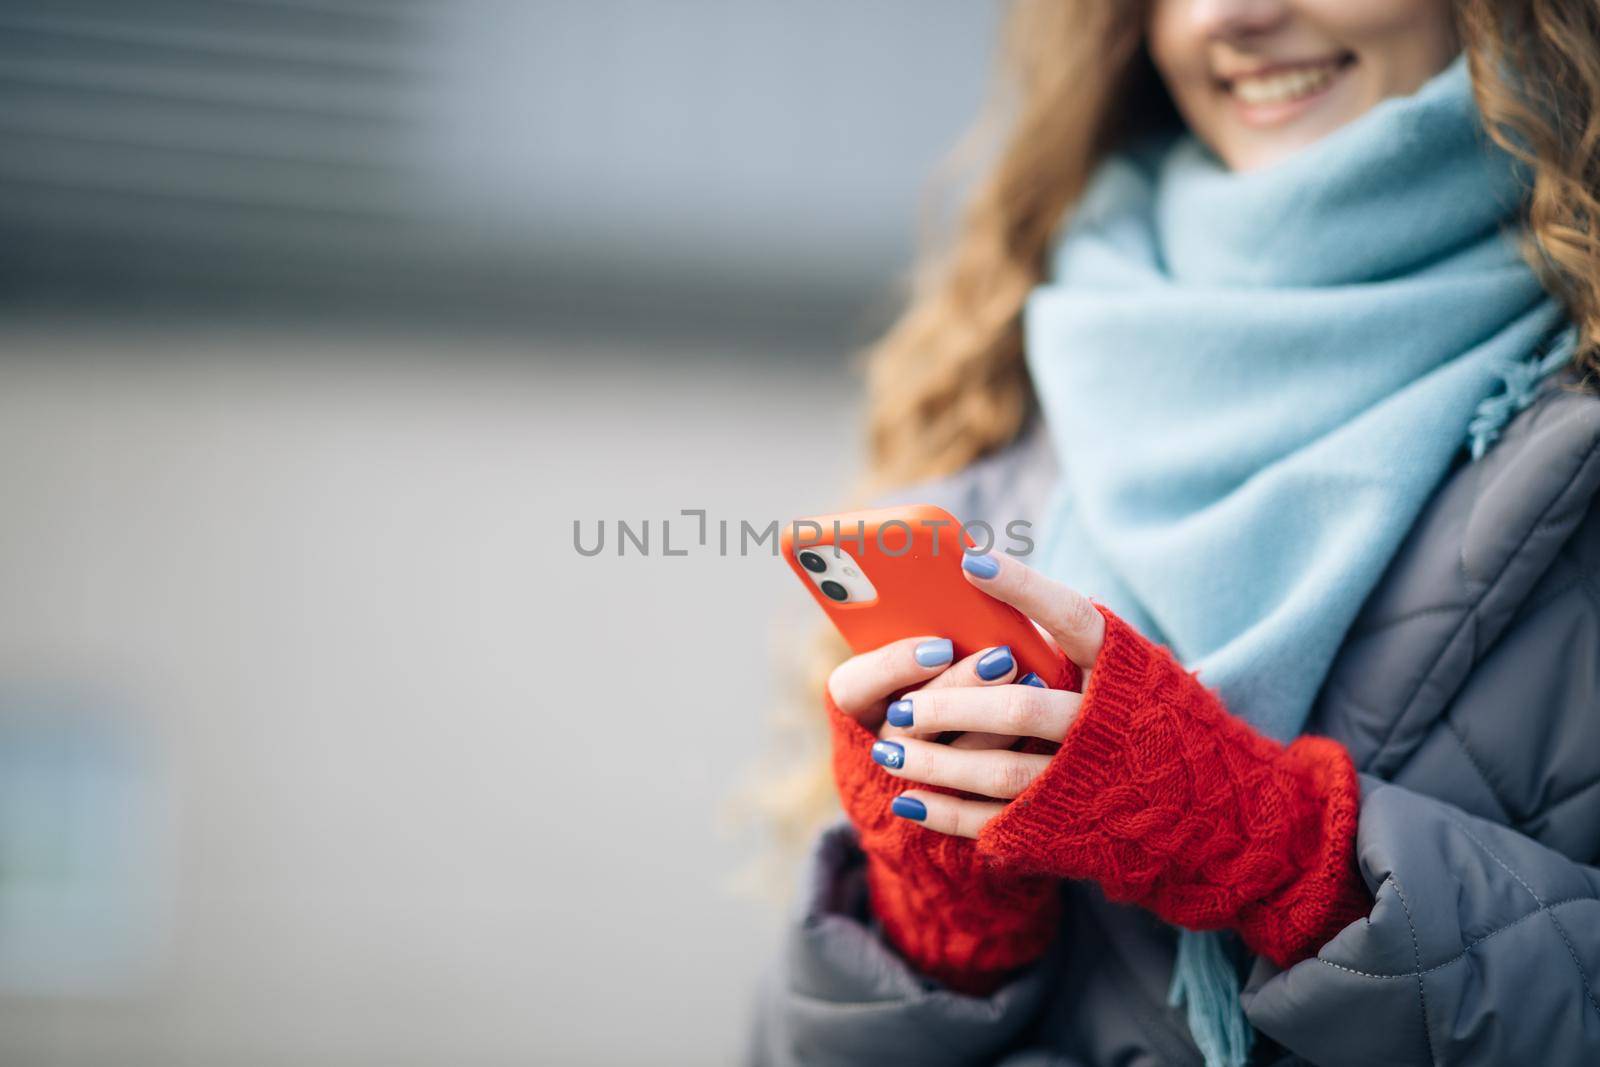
1026,583
1010,776
883,661
852,683
1017,711
839,683
861,680
1076,611
965,821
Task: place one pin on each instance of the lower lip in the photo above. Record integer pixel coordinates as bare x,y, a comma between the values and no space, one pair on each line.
1265,115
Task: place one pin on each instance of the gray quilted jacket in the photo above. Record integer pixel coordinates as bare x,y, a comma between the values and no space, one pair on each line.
1468,692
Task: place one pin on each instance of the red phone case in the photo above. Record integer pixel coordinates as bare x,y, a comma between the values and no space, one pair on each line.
912,555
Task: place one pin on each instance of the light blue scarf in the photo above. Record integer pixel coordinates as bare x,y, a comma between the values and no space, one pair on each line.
1255,380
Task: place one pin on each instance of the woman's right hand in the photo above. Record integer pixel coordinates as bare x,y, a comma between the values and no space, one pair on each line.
860,690
953,915
862,685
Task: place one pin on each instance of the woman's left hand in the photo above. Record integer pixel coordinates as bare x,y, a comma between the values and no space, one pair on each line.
1077,628
1158,793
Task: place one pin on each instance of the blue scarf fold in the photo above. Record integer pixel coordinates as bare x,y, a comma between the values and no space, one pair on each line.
1255,380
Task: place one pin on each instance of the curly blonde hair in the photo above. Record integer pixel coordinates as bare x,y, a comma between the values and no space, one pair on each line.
947,385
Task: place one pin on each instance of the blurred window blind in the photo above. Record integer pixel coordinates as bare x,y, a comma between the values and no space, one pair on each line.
699,165
166,141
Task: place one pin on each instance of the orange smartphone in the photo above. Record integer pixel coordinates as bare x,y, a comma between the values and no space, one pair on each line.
888,573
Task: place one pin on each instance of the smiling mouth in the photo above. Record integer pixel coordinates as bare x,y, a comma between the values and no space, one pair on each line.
1281,84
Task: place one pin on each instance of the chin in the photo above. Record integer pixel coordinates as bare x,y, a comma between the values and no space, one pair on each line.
1251,151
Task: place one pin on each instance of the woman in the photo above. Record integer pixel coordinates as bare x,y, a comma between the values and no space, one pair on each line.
1316,431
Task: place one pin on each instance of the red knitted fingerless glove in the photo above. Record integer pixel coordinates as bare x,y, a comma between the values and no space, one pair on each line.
1168,801
952,914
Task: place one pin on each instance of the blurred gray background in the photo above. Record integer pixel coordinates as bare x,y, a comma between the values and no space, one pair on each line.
320,324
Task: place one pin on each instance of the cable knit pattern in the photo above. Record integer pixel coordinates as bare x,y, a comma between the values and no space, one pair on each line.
952,914
1168,801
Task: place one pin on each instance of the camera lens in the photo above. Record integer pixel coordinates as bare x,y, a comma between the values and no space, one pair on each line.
835,591
815,564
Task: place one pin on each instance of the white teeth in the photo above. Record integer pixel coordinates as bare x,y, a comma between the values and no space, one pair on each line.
1284,86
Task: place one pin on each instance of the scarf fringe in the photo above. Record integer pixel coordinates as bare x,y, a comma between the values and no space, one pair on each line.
1520,381
1205,982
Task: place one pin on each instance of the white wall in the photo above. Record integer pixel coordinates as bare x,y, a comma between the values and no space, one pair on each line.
443,791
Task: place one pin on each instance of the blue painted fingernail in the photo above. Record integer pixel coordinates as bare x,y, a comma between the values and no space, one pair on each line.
900,713
995,662
935,653
888,754
909,808
984,566
1032,679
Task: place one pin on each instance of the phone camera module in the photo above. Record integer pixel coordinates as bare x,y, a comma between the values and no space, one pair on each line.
835,591
816,565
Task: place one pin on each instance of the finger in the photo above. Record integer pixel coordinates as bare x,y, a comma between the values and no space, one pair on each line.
861,684
989,772
990,667
956,816
1007,710
987,667
976,739
984,739
1065,614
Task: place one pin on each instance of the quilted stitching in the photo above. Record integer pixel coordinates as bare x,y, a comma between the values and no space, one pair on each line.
1452,721
1471,618
1583,976
1466,950
1416,949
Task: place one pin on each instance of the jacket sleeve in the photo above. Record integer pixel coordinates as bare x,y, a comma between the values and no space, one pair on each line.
840,995
1483,947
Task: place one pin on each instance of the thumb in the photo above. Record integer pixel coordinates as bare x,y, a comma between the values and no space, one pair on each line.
1066,614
